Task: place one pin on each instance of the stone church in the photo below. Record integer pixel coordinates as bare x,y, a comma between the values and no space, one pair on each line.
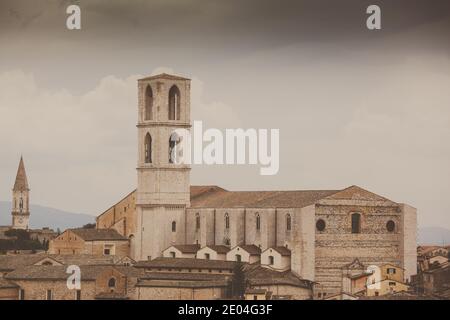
321,235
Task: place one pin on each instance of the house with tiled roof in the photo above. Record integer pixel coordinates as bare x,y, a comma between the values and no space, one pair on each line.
181,251
278,258
244,253
213,252
100,242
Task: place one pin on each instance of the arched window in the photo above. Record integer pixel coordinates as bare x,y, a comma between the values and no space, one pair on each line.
258,222
148,103
197,221
174,226
356,223
148,148
112,283
227,221
21,204
174,103
174,140
288,222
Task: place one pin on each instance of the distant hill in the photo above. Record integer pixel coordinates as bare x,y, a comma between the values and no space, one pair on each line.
47,217
433,235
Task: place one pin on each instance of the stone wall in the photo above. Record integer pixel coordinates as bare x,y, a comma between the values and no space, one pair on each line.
176,293
337,246
297,293
120,217
37,290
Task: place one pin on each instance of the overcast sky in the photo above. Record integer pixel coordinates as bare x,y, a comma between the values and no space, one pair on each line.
353,106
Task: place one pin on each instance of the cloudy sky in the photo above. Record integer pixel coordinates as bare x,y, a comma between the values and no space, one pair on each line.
353,106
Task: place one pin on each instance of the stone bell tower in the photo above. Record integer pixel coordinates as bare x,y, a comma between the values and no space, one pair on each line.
163,191
21,199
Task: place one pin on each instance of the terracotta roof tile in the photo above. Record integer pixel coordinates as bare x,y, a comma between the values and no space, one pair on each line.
89,273
219,248
5,284
187,248
185,263
257,275
98,234
281,250
181,284
252,249
258,199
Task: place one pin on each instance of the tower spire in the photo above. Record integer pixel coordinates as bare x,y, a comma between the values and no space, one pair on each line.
21,183
21,199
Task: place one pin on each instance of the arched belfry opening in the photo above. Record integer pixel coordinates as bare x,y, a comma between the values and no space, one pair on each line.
148,148
174,103
174,140
148,113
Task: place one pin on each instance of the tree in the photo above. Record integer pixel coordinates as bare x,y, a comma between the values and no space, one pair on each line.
89,226
238,282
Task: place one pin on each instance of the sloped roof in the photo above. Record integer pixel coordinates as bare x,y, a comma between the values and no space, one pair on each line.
195,276
164,76
357,193
89,273
257,275
85,259
219,248
12,262
185,263
251,249
98,234
281,250
5,284
216,197
187,248
182,283
258,199
21,183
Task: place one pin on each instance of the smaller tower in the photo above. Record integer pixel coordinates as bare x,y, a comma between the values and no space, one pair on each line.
21,199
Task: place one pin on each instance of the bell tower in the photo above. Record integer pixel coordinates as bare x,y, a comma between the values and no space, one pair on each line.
163,188
21,199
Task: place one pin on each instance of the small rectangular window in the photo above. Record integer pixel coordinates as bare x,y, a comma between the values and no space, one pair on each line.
78,296
22,294
49,295
356,223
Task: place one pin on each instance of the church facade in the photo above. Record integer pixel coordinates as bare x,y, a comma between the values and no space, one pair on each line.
325,235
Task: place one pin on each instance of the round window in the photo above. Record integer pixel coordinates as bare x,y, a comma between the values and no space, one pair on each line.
320,225
390,226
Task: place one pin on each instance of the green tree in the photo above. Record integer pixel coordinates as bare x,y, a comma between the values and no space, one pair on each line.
238,281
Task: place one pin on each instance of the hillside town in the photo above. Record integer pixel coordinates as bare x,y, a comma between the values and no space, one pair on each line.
170,240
